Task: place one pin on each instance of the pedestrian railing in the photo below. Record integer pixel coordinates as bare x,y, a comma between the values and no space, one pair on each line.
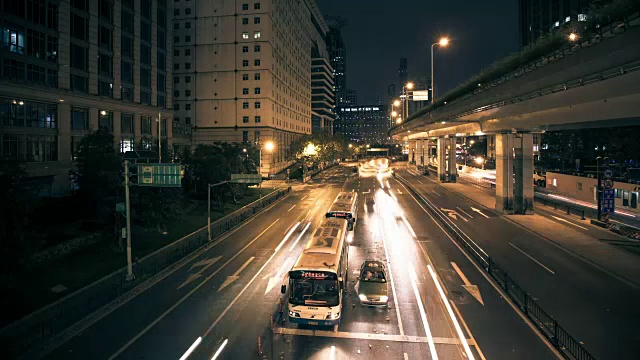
570,209
546,324
34,331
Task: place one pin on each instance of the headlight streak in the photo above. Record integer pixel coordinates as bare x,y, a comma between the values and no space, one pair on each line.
288,236
191,348
423,313
299,237
224,343
463,338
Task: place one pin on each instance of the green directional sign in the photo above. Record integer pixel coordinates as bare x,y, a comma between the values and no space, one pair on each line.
246,178
160,175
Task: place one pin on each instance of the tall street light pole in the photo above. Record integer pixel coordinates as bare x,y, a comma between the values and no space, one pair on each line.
405,104
442,42
268,146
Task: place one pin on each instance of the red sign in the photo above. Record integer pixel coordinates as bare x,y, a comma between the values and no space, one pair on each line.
314,275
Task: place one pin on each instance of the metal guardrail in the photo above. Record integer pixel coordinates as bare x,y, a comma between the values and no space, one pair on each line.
35,329
604,32
546,324
571,210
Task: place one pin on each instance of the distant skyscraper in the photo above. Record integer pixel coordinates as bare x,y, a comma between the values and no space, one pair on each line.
364,124
402,72
337,52
392,93
538,17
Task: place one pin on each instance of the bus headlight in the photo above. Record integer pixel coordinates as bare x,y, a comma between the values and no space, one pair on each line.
293,314
384,298
333,316
362,297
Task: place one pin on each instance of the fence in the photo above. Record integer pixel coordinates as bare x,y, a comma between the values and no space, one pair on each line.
571,210
545,323
32,331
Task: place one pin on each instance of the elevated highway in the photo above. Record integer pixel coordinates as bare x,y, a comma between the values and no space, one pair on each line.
595,83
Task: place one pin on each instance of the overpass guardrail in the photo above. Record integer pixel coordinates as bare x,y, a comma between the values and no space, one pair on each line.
546,324
605,32
31,334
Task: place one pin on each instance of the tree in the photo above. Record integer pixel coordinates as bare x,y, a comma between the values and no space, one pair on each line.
16,202
318,148
97,175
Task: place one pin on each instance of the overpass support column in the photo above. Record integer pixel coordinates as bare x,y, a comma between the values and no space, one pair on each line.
514,173
491,146
412,151
453,166
421,152
441,157
504,172
523,171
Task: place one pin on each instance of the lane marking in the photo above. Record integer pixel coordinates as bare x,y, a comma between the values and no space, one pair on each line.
568,222
191,348
213,325
435,192
368,336
420,182
406,357
466,328
299,237
531,257
472,289
393,286
303,197
489,280
406,223
209,262
236,275
456,324
291,208
184,298
479,212
464,212
423,313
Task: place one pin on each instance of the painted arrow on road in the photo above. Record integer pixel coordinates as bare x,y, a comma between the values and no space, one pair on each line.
204,265
479,212
453,214
275,279
472,289
236,275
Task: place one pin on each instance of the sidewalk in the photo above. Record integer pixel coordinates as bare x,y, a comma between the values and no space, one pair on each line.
615,260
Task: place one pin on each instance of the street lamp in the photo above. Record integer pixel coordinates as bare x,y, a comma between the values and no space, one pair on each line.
399,121
405,103
396,103
573,36
444,41
268,146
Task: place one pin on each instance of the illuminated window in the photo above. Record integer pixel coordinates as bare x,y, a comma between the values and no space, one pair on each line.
245,34
256,35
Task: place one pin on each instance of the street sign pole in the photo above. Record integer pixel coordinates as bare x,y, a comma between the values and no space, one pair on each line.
599,189
209,212
130,275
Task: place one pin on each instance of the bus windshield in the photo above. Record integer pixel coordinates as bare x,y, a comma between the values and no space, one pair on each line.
314,292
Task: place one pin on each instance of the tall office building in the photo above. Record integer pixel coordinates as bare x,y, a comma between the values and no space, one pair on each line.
69,67
367,124
403,75
538,17
243,73
337,52
323,99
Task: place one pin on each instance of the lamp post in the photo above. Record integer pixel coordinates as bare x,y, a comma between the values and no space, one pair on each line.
442,42
159,137
405,103
268,146
394,104
599,188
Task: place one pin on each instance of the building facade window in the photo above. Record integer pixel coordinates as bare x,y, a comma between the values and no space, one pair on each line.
145,125
79,118
257,105
256,6
245,49
245,119
257,119
105,120
245,34
256,48
256,76
256,91
245,63
245,77
245,105
256,62
127,123
245,91
256,35
256,20
245,21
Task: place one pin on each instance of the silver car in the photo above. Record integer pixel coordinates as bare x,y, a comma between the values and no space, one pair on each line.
372,283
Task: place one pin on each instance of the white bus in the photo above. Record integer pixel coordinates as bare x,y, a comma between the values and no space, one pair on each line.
317,279
345,206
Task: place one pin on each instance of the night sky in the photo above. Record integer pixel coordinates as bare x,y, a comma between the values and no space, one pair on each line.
379,32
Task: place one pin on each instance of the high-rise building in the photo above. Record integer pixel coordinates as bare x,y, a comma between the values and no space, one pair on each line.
403,75
323,99
69,67
392,92
538,17
337,52
367,124
244,68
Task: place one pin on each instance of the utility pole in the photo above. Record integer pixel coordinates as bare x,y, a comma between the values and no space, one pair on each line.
159,137
130,275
